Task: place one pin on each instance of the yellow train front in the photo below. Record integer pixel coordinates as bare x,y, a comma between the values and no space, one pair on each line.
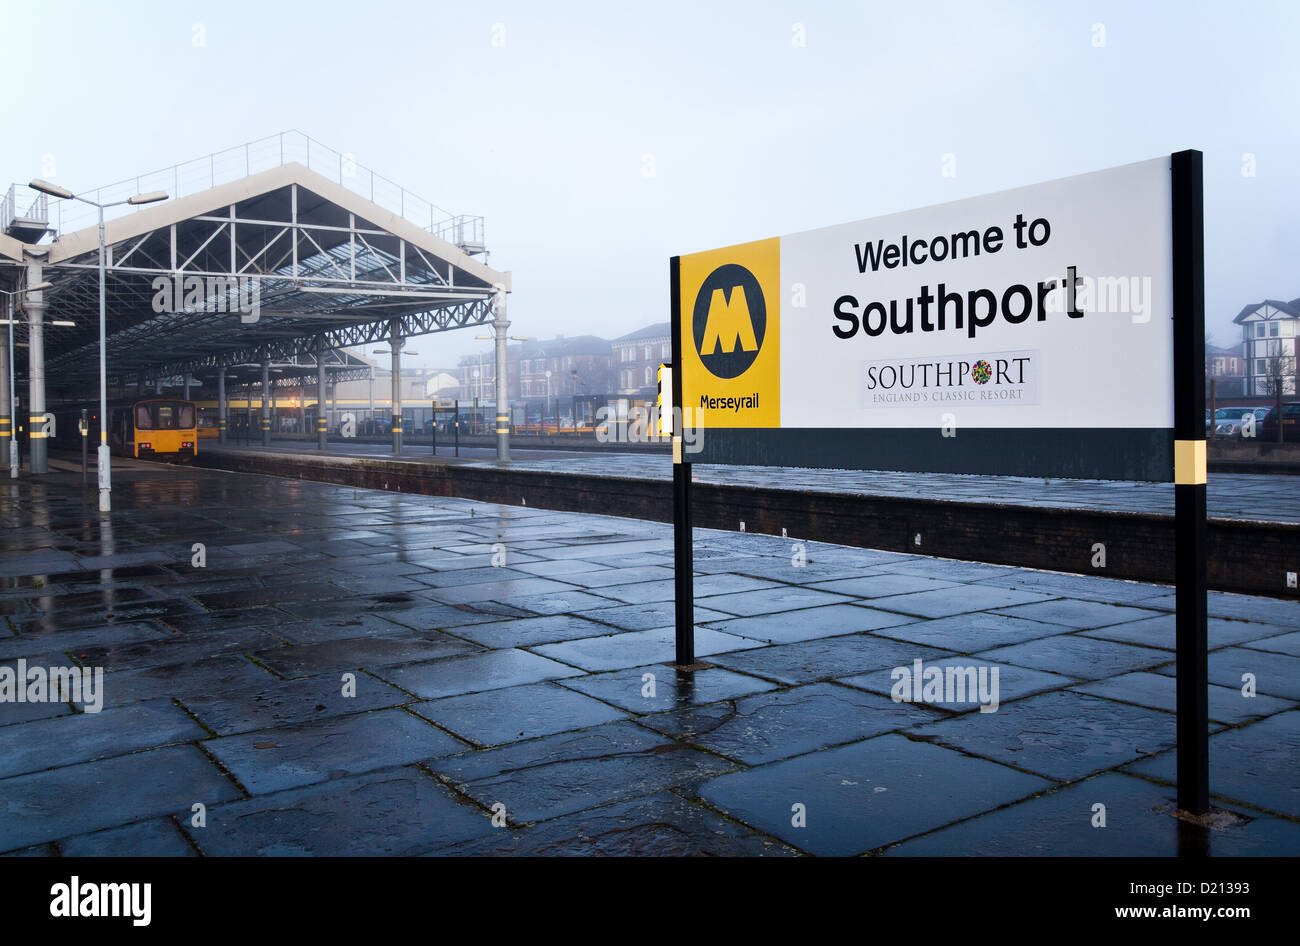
162,428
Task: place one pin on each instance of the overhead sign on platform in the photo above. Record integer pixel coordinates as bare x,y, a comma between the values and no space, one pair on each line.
1026,332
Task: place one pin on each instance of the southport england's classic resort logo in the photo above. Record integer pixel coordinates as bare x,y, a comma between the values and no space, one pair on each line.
999,377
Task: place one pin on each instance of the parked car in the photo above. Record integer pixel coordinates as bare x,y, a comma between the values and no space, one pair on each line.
1230,421
1290,424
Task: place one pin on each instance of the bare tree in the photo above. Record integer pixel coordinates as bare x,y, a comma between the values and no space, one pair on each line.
1279,378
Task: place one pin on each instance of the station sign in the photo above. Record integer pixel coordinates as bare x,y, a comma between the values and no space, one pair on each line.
1028,332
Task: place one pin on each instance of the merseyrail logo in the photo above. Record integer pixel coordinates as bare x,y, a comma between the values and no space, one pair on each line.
730,335
730,321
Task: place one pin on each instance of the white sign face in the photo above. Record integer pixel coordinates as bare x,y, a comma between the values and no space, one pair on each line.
1047,306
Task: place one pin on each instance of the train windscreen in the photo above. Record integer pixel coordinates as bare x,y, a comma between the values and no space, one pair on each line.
164,415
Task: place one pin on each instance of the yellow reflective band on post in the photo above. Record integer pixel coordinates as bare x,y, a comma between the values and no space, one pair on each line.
677,449
37,435
503,430
221,425
1189,462
4,423
397,430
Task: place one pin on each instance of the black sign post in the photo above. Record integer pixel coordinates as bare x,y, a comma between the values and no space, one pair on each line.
1191,666
683,534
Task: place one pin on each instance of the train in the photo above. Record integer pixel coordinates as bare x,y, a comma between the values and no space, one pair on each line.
163,428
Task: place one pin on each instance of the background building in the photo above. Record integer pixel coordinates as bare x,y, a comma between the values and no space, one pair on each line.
1268,346
637,357
1227,369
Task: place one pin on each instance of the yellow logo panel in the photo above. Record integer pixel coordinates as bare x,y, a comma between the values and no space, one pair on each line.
731,335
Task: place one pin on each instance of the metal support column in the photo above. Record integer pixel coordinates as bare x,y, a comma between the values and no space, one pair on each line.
266,407
222,407
187,385
1191,612
7,442
395,346
34,305
322,429
503,397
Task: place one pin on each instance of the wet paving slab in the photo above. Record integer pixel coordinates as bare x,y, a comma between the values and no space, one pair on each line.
808,661
515,714
629,648
565,773
526,632
1158,691
160,837
1246,761
662,825
1032,734
970,690
200,678
492,670
855,798
1079,615
1268,673
176,649
80,638
969,633
395,812
337,656
87,736
1079,656
647,616
361,672
76,799
288,756
657,688
1161,632
1135,819
776,725
966,599
271,703
1282,644
789,627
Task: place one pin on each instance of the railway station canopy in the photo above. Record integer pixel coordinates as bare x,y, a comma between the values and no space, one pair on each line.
280,250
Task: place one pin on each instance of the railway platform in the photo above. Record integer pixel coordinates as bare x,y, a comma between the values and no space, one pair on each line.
282,666
1091,527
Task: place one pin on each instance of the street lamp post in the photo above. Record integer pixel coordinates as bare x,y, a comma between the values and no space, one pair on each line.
101,454
12,415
